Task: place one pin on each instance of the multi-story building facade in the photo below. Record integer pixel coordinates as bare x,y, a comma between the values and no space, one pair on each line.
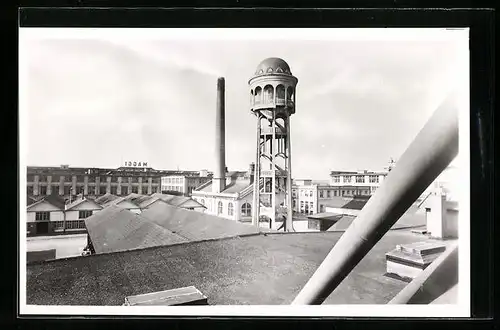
184,184
67,182
311,197
358,181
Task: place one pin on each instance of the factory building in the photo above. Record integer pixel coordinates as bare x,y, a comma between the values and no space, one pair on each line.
183,184
357,182
51,216
234,202
311,197
68,182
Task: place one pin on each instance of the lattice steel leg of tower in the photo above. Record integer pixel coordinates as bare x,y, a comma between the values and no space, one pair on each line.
272,194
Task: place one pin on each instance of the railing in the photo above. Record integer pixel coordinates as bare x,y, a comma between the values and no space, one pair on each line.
429,154
269,173
269,130
273,102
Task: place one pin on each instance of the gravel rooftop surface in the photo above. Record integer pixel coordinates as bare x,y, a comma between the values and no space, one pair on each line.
261,269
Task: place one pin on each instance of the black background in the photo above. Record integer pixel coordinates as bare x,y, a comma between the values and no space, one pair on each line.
481,23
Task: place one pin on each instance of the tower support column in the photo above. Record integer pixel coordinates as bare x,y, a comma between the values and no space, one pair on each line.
289,217
256,187
274,144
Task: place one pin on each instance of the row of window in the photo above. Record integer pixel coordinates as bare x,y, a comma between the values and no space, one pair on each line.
71,224
91,190
173,180
358,178
328,193
306,208
172,188
246,208
45,216
81,178
267,95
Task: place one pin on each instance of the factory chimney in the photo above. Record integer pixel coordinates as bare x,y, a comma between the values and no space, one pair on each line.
251,172
219,179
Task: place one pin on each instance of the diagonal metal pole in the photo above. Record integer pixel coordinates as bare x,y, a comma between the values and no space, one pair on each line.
427,156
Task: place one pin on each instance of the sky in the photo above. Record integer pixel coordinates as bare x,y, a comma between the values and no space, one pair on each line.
97,98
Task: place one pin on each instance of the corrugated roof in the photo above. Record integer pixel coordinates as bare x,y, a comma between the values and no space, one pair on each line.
353,203
145,203
106,198
253,270
120,200
178,201
54,200
115,229
81,200
195,225
136,198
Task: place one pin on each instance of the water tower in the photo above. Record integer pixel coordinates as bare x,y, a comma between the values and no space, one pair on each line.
272,101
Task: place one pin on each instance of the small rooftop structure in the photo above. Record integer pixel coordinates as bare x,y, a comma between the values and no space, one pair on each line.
407,261
175,297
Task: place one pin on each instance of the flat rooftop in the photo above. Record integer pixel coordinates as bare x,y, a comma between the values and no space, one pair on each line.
263,269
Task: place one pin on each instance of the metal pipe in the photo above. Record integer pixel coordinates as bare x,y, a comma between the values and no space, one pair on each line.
440,276
427,156
219,179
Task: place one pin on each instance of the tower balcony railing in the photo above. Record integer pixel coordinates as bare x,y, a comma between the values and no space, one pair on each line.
269,130
272,102
278,173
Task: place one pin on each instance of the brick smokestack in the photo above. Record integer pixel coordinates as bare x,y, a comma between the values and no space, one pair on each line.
219,179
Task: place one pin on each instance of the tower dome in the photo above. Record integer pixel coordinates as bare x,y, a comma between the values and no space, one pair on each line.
273,65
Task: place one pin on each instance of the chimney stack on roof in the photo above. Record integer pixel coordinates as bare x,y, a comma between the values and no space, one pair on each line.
219,179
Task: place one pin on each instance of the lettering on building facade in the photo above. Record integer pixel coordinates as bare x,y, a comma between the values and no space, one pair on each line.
136,164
